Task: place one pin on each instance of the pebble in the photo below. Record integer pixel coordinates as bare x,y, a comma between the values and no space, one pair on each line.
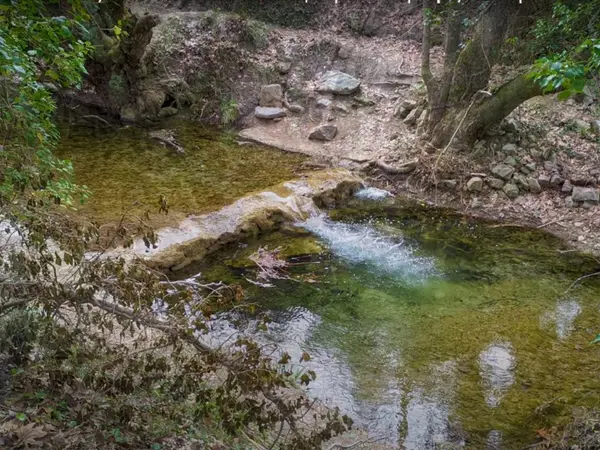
580,238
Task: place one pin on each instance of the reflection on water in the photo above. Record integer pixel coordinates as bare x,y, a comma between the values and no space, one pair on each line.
426,329
562,317
497,367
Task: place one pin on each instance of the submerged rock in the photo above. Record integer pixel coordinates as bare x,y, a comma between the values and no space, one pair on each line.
340,83
167,138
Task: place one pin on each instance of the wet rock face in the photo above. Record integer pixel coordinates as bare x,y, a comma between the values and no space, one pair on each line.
340,83
497,370
198,236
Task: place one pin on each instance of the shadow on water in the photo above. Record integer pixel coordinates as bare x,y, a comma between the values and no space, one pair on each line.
430,329
125,169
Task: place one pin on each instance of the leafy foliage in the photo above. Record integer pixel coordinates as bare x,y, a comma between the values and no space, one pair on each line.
105,352
570,48
37,52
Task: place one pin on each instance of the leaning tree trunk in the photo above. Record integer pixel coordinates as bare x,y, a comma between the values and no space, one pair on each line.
459,107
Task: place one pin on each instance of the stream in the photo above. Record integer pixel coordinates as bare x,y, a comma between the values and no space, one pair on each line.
430,329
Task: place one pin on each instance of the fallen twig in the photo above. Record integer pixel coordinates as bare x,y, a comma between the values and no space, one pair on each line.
595,274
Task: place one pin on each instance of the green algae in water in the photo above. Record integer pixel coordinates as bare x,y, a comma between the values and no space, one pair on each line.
125,169
481,347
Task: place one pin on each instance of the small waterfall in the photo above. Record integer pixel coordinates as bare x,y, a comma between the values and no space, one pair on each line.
358,244
372,193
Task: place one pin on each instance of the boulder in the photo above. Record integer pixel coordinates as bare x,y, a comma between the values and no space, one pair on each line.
323,133
269,113
296,109
596,126
569,203
404,108
495,183
271,96
511,190
475,184
534,185
567,187
503,171
582,194
340,83
345,52
511,161
323,103
556,180
521,182
544,181
413,116
509,149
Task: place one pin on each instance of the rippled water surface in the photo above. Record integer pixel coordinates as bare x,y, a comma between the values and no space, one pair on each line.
128,171
430,330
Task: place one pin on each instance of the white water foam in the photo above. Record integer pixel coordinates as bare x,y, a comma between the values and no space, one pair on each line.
358,243
372,193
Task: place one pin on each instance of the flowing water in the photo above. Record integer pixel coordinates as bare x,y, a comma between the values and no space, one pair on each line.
431,330
127,171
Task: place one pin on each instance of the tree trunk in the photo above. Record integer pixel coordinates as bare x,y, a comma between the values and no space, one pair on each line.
467,124
457,96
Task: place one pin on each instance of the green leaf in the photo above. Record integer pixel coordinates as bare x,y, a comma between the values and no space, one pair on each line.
564,95
21,416
578,84
596,339
155,446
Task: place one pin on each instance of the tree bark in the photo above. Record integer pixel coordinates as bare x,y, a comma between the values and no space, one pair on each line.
456,94
484,112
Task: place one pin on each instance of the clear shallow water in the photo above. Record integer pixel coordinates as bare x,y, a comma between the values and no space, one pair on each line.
430,329
127,171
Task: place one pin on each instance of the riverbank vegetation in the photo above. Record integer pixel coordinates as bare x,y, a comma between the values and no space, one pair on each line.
101,352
